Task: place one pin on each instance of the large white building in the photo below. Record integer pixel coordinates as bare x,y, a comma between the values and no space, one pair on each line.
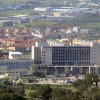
43,9
14,53
62,55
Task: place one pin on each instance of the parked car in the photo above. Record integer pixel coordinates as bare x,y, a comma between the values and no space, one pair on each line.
11,82
68,81
46,79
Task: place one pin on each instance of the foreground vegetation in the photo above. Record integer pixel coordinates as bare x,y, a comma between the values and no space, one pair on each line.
86,89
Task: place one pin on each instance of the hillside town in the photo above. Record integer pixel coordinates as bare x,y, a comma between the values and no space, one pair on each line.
49,50
47,45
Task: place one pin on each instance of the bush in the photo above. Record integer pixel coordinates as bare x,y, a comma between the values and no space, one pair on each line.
6,83
77,83
31,86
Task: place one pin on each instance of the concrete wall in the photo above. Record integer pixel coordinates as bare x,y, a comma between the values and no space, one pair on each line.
46,55
37,44
32,52
10,54
94,53
36,54
57,14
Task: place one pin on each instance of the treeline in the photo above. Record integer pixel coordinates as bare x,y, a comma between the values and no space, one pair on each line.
7,94
45,92
81,20
10,91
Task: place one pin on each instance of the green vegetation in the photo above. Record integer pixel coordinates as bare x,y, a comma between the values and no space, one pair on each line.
33,87
91,38
85,90
83,20
45,92
27,91
90,21
36,23
43,1
7,94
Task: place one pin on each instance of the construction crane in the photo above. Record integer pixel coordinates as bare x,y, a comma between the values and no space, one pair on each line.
43,36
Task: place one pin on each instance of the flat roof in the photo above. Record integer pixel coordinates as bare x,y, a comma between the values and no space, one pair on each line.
6,21
19,16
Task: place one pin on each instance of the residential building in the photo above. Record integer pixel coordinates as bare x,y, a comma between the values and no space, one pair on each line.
18,48
81,42
4,23
56,43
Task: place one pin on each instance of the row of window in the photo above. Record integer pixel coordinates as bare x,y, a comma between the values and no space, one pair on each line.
18,67
70,63
19,63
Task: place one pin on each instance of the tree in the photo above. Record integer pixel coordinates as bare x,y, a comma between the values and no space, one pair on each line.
97,70
42,92
95,96
66,70
90,78
56,72
34,68
7,94
77,83
81,70
45,72
5,90
33,95
95,79
64,94
42,74
5,81
19,90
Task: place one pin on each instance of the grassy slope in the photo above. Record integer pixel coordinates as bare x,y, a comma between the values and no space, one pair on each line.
27,91
40,22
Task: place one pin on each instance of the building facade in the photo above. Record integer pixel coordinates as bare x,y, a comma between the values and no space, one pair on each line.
72,69
16,64
4,23
70,55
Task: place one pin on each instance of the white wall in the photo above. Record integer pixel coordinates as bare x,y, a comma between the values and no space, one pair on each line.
46,55
36,54
94,53
40,9
32,52
75,29
10,54
37,44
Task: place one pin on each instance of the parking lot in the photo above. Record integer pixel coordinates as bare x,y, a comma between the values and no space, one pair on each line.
47,80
